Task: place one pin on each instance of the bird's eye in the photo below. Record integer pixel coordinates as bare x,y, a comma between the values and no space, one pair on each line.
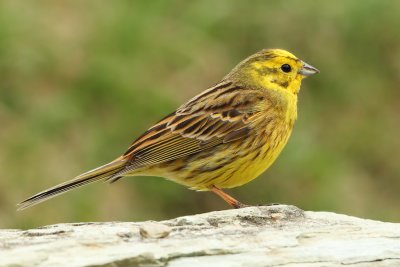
286,68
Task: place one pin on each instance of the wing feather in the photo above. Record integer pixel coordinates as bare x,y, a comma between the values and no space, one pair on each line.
218,115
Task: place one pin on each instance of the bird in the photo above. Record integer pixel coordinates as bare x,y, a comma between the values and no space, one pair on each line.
224,137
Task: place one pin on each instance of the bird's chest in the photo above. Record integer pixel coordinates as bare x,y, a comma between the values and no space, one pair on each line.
268,144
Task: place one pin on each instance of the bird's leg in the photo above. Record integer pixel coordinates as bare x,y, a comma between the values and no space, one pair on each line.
230,200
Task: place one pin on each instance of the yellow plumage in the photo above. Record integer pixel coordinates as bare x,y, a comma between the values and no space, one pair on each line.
222,138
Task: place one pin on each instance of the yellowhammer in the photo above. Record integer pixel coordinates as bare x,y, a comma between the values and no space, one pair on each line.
222,138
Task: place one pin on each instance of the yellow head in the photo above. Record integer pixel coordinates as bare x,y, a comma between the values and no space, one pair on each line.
274,69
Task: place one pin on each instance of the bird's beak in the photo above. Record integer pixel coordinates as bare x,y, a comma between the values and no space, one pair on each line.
308,70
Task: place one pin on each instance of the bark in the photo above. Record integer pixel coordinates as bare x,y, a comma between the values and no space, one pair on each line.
254,236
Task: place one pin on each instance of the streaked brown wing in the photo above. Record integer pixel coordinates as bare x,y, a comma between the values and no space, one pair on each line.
219,115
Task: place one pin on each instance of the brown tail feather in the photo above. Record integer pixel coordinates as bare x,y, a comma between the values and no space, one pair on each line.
100,173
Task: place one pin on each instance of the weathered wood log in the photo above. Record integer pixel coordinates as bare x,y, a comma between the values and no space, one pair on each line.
255,236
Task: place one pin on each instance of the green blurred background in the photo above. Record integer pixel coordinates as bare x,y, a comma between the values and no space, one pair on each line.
80,80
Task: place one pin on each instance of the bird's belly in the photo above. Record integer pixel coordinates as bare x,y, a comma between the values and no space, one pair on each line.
228,165
254,164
